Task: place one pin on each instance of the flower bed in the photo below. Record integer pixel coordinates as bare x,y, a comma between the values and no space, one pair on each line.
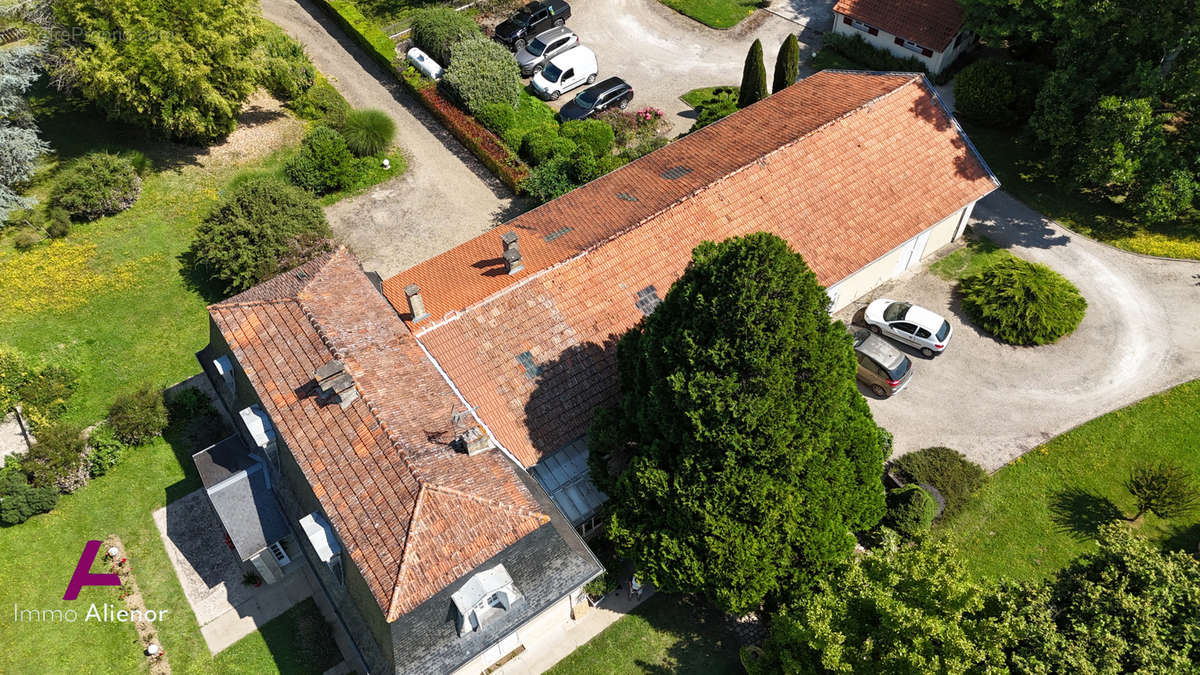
482,143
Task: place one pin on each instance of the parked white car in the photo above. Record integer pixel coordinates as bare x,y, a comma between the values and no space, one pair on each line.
910,324
573,68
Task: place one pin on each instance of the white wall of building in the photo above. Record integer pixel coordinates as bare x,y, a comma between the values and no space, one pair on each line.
886,41
537,634
900,259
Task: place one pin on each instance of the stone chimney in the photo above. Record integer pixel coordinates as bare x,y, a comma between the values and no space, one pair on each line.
473,441
512,253
415,304
335,383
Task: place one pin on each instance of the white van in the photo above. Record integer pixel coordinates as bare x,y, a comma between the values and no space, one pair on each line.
573,68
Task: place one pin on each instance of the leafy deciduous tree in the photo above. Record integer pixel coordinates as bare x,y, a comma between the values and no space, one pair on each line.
1165,489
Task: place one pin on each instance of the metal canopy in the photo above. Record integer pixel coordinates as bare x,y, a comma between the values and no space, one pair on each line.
565,476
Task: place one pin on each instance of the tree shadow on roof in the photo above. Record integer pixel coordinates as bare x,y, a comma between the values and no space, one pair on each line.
568,389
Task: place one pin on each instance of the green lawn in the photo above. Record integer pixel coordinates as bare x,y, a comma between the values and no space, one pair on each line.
1014,158
113,300
714,13
1039,512
665,634
980,252
697,96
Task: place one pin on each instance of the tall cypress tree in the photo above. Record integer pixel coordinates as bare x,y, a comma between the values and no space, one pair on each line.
754,77
787,65
741,456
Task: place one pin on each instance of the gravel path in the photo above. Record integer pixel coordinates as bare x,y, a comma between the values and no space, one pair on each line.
444,198
993,401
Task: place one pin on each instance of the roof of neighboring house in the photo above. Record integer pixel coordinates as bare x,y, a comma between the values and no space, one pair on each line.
929,23
413,514
845,166
238,489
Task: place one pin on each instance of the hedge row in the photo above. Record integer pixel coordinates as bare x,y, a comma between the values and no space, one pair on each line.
481,142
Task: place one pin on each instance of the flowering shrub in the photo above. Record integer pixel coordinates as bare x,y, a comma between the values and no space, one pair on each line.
650,114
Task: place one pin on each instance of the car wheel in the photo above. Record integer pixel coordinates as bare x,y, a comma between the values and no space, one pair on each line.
927,352
591,78
518,45
878,390
558,22
554,95
623,104
875,329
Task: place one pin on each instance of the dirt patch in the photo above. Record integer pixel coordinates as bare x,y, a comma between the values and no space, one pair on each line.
264,126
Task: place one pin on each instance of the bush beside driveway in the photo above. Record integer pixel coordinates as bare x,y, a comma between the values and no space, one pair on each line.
995,402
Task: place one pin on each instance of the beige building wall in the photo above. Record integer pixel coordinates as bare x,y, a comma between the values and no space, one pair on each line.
900,259
886,41
538,633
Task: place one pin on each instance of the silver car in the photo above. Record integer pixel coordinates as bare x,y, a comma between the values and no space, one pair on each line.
535,55
881,366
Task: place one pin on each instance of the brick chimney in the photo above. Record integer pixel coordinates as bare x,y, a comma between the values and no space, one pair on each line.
335,384
415,304
512,253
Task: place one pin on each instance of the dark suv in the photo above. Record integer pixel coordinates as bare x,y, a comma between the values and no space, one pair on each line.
530,20
595,99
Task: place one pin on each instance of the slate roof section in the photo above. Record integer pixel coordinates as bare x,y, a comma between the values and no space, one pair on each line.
929,23
222,460
545,566
413,514
845,166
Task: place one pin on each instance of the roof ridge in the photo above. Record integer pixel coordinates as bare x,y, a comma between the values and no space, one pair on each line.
394,602
491,503
912,77
224,304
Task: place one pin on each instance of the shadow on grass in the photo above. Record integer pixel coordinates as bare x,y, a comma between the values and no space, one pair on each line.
1186,539
703,641
187,437
1081,513
196,279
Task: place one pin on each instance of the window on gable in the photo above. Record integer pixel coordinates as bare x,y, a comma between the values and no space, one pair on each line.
532,369
647,300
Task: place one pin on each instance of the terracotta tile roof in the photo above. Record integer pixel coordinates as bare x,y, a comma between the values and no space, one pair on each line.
413,514
844,166
929,23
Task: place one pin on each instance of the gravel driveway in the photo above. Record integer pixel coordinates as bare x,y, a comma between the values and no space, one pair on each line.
993,402
664,54
444,198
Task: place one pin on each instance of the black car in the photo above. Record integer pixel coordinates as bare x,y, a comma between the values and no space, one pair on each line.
531,20
611,92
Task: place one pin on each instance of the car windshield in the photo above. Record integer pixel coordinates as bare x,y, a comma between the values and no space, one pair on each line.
552,72
896,311
900,370
587,99
536,47
520,18
943,331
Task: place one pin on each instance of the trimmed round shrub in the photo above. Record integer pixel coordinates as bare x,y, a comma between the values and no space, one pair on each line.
482,72
1022,303
497,117
95,185
716,107
594,135
19,500
947,470
138,417
910,511
584,166
322,103
285,70
368,132
997,93
263,227
435,31
549,180
324,163
544,142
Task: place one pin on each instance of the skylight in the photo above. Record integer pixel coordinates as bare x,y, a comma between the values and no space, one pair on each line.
532,369
647,300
